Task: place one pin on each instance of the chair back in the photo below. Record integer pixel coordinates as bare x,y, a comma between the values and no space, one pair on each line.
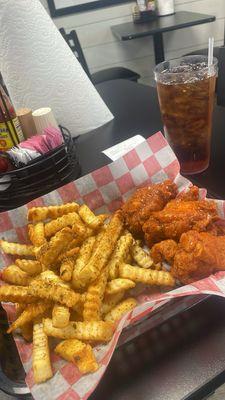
73,42
221,78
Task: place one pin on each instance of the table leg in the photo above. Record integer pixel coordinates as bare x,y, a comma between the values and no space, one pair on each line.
158,48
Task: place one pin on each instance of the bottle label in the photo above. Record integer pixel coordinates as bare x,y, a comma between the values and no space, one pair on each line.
7,136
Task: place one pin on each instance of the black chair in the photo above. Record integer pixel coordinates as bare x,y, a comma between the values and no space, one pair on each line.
204,52
100,76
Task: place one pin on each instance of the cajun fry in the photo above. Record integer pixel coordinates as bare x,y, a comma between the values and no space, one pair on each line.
94,297
14,275
60,316
81,261
69,253
37,214
110,301
51,278
37,234
118,285
48,253
90,218
120,253
104,250
52,227
31,267
16,248
122,308
98,331
78,353
54,292
66,269
16,294
141,257
41,358
147,276
29,314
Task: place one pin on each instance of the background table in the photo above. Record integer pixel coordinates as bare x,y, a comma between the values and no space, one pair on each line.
156,28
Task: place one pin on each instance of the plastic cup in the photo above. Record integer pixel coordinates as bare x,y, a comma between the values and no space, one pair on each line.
186,92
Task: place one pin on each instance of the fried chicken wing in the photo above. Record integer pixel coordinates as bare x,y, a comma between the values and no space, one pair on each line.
178,217
199,254
164,251
144,201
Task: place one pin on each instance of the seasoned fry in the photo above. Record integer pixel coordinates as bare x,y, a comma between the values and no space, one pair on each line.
14,275
37,234
78,353
69,253
54,292
98,331
16,248
37,214
52,227
66,269
51,278
122,308
48,253
29,314
94,297
31,267
60,316
104,250
141,257
90,218
118,285
110,301
147,276
16,294
120,254
41,358
81,262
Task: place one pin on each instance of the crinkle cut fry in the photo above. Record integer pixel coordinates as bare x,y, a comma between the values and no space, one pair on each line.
78,353
92,220
60,316
52,227
66,269
120,309
41,357
119,285
49,253
37,234
81,261
119,255
16,294
31,267
14,275
94,297
98,331
37,214
16,248
104,250
29,314
110,301
54,292
147,276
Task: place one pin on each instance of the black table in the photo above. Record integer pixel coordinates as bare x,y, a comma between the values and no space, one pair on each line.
156,28
183,358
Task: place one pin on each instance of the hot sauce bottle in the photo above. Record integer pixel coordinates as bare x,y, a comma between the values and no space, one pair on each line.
10,130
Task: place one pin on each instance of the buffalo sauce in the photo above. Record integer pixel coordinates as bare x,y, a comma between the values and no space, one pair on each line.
10,130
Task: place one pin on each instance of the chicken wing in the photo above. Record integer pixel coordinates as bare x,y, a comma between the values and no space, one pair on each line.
198,256
144,201
178,217
164,251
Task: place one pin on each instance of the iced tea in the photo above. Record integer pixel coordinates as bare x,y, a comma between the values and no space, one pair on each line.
186,89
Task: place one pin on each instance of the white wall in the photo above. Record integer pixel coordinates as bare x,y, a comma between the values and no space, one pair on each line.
103,50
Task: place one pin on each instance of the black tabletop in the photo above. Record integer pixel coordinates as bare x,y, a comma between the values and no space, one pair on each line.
136,111
179,20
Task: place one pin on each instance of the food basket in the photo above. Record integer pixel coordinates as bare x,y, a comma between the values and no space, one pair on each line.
41,175
104,191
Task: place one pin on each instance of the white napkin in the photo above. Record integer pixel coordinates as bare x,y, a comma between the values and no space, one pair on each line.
40,70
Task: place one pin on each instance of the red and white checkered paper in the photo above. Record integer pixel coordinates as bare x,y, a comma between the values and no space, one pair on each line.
104,190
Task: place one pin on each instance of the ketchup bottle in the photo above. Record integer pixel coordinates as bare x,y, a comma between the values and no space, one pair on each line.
10,130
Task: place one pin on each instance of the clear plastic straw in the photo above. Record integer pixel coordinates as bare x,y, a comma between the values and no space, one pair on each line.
210,54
